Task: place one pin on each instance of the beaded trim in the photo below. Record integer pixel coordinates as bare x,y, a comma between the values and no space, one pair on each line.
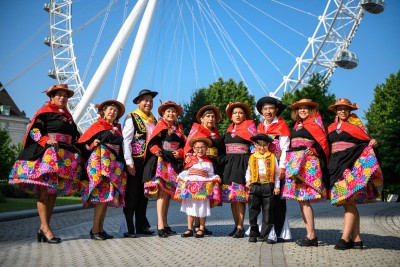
341,145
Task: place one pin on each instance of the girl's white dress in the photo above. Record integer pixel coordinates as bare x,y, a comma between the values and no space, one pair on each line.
196,207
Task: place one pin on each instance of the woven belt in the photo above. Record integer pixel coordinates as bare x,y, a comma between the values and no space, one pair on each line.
341,145
116,148
237,148
297,142
65,138
197,172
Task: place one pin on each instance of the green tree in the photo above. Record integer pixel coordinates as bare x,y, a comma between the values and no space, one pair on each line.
8,154
317,90
219,94
383,124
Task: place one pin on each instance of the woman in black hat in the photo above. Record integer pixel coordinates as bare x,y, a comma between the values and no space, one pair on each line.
101,146
49,164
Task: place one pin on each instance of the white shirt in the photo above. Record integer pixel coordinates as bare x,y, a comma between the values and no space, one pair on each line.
284,143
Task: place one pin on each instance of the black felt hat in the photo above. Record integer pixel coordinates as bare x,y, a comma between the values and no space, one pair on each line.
144,92
261,137
270,100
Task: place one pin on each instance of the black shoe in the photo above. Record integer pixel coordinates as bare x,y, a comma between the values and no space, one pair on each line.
343,245
42,237
253,239
233,232
201,235
144,231
307,242
269,241
187,233
239,233
357,245
129,235
207,232
169,231
162,233
97,236
107,236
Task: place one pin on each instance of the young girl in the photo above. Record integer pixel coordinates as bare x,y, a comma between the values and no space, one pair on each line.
198,186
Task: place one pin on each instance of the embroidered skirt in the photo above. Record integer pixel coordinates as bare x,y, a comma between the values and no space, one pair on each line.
58,169
165,179
234,193
303,177
199,190
107,179
362,184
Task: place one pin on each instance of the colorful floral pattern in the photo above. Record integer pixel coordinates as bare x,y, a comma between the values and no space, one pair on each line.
58,169
107,179
164,179
303,177
234,193
362,184
199,190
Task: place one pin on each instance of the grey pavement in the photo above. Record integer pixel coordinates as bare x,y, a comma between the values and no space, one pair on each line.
380,229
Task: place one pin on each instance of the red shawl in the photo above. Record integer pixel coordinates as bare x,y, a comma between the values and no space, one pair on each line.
279,128
316,128
351,128
194,159
98,126
163,125
198,128
245,130
48,108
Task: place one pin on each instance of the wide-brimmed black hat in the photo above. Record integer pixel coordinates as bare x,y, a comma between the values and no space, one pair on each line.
261,137
144,92
270,100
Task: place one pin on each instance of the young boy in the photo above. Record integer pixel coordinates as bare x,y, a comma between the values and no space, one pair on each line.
198,186
263,180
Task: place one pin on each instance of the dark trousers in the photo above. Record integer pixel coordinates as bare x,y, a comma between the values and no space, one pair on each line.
261,198
135,201
279,211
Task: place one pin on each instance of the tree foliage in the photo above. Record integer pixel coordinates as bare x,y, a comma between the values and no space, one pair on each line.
317,90
219,94
8,154
383,124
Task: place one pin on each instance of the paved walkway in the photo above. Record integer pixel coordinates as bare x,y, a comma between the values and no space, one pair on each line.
380,227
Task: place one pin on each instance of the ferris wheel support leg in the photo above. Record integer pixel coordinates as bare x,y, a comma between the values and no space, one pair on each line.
109,59
137,52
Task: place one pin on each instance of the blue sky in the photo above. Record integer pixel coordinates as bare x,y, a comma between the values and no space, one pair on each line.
24,25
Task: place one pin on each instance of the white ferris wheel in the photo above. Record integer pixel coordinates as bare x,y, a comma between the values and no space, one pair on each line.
324,48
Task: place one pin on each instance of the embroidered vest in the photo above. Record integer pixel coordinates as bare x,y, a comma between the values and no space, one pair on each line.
139,140
269,162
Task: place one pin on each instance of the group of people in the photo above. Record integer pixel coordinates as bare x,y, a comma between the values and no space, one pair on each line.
262,166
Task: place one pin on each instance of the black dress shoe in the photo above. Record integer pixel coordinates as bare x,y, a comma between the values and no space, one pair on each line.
169,231
343,245
253,239
233,232
162,233
42,237
239,233
145,231
357,245
107,236
269,241
307,242
129,235
96,236
187,233
207,232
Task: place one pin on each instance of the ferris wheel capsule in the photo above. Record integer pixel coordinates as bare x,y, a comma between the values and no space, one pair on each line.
346,59
373,6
